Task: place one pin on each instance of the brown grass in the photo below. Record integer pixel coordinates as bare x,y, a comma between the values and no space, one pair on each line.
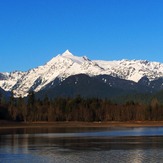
6,124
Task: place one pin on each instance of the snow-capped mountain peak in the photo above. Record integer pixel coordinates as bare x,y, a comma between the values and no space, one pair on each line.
67,53
67,64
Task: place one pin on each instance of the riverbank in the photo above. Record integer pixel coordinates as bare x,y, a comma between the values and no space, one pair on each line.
6,124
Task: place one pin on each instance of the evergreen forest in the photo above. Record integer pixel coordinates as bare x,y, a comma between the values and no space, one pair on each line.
32,109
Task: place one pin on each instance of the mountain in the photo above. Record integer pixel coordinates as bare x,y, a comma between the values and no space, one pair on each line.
4,94
100,86
130,75
82,85
132,69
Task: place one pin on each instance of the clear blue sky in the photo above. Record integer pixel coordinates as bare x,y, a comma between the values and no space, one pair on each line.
34,31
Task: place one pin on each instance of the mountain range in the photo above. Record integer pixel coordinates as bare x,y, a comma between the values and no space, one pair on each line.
70,75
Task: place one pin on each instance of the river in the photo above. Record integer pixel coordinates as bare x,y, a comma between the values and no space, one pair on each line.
83,145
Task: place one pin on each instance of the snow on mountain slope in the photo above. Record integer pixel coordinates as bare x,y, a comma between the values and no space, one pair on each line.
66,64
61,66
8,80
132,69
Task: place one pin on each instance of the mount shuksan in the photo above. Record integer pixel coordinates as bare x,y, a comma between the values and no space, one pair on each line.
66,64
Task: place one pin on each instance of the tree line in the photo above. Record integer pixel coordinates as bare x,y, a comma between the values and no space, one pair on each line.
77,109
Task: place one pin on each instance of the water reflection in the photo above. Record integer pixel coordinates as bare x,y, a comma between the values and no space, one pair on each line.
82,145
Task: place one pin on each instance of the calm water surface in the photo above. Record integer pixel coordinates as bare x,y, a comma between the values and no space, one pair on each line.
83,145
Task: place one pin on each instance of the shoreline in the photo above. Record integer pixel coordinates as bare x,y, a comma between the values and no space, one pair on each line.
76,124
